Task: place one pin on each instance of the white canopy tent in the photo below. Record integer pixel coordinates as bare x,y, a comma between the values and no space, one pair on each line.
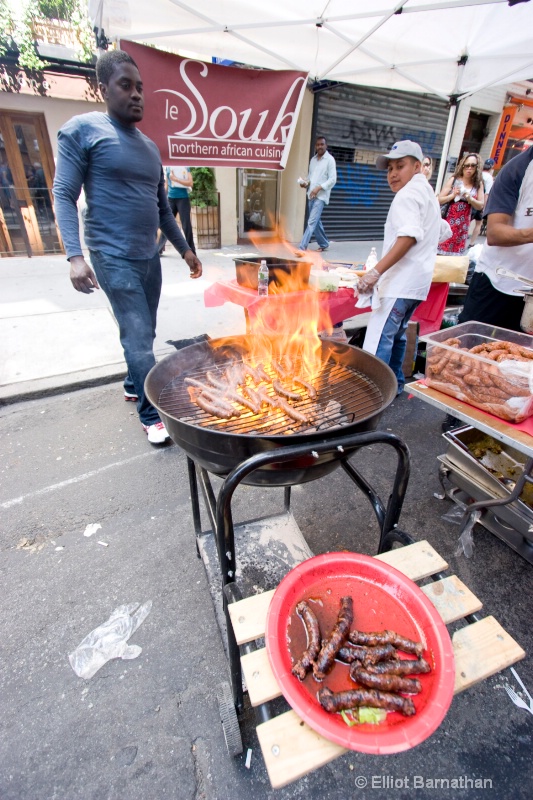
449,48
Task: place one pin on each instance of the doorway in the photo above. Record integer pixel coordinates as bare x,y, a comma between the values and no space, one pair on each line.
27,222
475,132
258,203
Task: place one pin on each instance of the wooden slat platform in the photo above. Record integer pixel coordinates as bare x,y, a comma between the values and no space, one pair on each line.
290,748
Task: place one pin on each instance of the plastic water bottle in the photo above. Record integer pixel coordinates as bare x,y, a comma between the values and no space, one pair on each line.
372,260
262,279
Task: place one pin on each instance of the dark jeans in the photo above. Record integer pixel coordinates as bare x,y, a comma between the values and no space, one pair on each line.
484,303
133,287
180,206
393,341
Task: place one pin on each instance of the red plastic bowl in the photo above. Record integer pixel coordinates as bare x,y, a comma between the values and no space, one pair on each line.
384,599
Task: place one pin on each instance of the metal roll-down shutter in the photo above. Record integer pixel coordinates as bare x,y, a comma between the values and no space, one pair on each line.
359,123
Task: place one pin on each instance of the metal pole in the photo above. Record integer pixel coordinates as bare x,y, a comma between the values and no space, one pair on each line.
446,145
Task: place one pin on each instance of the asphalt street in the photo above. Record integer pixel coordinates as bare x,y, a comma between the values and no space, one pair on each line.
149,727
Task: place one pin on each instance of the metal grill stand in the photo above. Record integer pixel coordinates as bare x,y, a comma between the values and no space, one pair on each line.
224,535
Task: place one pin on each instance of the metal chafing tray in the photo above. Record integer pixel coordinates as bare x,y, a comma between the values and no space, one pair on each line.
512,522
501,479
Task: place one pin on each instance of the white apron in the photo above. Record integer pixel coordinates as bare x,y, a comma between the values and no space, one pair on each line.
378,318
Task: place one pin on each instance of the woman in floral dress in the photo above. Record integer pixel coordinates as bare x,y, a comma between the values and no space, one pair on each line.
464,192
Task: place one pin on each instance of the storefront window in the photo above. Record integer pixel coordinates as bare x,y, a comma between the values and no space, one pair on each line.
258,202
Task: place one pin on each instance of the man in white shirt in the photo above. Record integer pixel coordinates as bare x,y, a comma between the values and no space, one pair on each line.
402,277
492,298
321,178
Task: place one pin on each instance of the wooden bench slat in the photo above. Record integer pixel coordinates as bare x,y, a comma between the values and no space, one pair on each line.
248,616
417,561
481,650
260,681
292,749
452,599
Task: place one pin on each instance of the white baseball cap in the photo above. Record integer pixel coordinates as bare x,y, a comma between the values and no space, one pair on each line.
399,150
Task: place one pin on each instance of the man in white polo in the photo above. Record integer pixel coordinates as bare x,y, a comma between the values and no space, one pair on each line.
402,278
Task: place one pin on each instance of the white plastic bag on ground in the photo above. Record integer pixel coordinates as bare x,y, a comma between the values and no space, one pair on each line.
109,640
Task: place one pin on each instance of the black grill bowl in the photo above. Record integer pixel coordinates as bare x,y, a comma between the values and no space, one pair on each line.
220,451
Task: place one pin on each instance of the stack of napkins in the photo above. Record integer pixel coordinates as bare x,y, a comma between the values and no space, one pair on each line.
348,277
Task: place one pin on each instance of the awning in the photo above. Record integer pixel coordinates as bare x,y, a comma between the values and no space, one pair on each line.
445,47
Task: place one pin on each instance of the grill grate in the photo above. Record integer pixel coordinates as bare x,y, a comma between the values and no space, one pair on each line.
344,396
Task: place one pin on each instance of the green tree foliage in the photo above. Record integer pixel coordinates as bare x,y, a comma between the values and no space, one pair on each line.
22,32
204,191
7,27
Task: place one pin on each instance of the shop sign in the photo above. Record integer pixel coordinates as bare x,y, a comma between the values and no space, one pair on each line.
502,137
202,114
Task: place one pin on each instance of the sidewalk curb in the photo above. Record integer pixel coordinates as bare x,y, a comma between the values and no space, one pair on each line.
48,387
61,384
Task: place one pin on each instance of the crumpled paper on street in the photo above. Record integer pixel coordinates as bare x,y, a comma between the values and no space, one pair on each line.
109,640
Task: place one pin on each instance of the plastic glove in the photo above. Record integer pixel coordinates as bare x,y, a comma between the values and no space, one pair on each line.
109,640
368,281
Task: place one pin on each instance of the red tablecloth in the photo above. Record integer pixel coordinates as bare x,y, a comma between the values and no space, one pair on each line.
429,314
333,306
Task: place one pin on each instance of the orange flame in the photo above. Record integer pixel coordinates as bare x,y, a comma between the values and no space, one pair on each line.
289,325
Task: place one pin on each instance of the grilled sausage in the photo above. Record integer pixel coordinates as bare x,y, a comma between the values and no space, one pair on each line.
302,667
384,683
231,394
253,397
354,698
212,378
402,667
331,646
265,397
386,637
236,374
368,655
263,375
198,384
253,373
279,370
281,390
224,411
286,363
290,411
311,391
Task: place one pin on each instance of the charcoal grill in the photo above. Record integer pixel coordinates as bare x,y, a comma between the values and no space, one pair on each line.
358,385
271,453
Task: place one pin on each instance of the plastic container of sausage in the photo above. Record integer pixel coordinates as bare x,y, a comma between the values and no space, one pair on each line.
488,367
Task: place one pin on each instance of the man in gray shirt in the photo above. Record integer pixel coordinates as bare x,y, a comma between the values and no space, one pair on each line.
121,172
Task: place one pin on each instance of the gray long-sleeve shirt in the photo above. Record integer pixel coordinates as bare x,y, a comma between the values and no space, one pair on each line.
120,169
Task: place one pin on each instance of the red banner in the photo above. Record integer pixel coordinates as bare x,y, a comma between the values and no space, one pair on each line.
202,114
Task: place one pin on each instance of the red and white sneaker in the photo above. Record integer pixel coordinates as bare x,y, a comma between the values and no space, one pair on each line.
157,433
129,397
